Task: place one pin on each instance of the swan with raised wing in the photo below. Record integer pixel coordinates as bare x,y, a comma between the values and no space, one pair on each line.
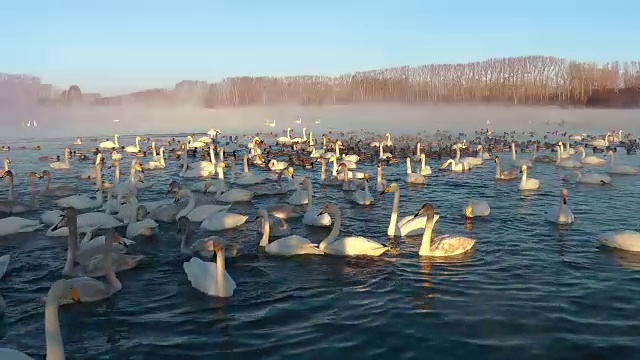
561,214
286,246
443,245
350,245
408,225
208,277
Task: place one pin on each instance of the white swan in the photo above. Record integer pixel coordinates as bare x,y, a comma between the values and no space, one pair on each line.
139,224
470,160
109,145
311,216
203,247
350,245
210,278
134,148
155,165
567,162
476,208
593,179
443,245
424,169
408,225
286,246
60,190
363,197
413,178
590,160
624,240
61,289
197,172
247,177
519,162
528,183
601,142
380,182
299,197
510,174
14,224
200,213
285,139
223,220
59,165
81,202
561,214
619,169
455,166
275,165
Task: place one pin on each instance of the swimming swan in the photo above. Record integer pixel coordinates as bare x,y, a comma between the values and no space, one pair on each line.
443,245
476,208
528,183
408,225
208,277
505,175
561,214
350,245
286,246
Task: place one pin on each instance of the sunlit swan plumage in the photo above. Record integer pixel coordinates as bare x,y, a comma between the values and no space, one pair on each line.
208,277
561,214
476,208
408,225
624,240
443,245
286,246
528,183
510,174
350,245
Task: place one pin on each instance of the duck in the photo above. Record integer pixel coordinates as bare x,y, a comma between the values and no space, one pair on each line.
443,245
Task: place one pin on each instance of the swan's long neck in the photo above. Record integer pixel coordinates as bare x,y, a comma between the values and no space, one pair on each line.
212,155
381,153
304,134
221,278
425,247
424,162
116,138
513,151
457,155
391,230
558,152
379,175
10,188
53,336
190,206
335,231
583,154
324,142
334,171
524,178
310,194
245,163
337,150
72,246
497,168
418,149
264,240
409,166
561,147
138,143
606,140
221,152
162,157
184,166
323,171
6,165
114,283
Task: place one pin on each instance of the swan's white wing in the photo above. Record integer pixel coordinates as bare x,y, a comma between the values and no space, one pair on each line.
292,245
356,245
449,245
625,240
4,263
90,289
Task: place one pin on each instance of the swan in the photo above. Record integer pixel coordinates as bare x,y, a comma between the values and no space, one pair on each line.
109,145
346,174
194,144
619,169
13,224
623,240
303,139
590,160
413,178
593,179
91,174
275,165
476,208
299,197
57,191
210,278
363,197
519,162
200,213
469,160
6,166
424,169
203,247
58,165
347,246
541,158
443,245
197,172
247,177
333,181
285,211
565,154
561,214
273,189
285,139
155,165
380,182
601,142
383,155
11,206
116,156
81,202
528,183
408,225
277,226
505,175
567,162
223,221
139,224
134,148
418,155
286,246
84,221
87,289
61,289
234,195
311,217
455,166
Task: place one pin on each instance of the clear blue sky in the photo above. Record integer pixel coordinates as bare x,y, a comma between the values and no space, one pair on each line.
112,46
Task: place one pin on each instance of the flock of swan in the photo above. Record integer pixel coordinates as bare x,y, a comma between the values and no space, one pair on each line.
208,203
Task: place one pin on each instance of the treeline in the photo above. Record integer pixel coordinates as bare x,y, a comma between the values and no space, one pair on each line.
516,80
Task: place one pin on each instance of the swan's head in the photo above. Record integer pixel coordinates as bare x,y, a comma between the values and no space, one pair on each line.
428,210
389,188
289,172
46,174
141,212
523,169
7,161
366,178
183,225
35,176
422,157
327,209
66,218
496,159
173,186
62,291
468,211
7,174
564,196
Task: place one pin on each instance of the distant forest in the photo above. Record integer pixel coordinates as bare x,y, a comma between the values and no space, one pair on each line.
531,80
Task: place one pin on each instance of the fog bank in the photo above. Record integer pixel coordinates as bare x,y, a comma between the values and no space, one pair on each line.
379,117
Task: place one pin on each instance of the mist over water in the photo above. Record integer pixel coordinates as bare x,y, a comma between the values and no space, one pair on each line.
395,118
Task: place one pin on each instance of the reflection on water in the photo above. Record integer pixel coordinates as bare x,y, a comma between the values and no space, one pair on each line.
576,296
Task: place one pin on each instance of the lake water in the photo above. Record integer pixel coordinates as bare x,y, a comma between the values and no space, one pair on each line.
529,290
